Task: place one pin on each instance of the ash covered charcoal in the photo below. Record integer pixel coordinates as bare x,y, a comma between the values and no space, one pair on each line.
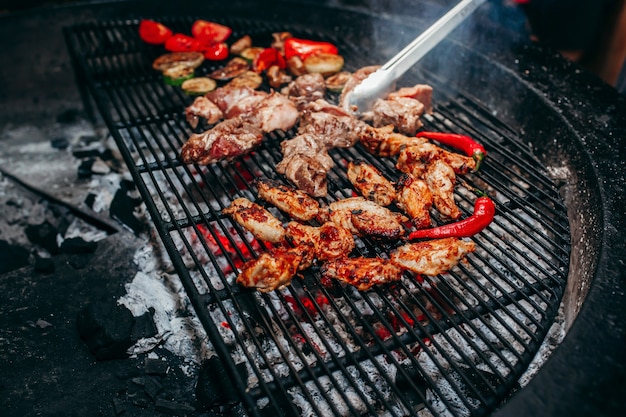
78,245
155,366
213,387
109,329
123,207
44,235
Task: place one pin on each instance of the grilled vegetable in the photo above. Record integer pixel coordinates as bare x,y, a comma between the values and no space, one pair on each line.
153,32
177,75
324,63
484,211
463,143
267,58
241,45
182,43
198,86
246,79
251,53
210,32
303,48
336,82
189,59
216,51
233,68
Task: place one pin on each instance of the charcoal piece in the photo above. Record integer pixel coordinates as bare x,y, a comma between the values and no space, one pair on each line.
106,329
173,408
144,326
79,261
44,235
78,245
155,366
12,257
122,209
213,386
84,169
81,153
44,265
90,200
68,116
119,406
59,143
150,385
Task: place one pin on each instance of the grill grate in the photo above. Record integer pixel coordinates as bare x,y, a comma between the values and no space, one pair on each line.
447,345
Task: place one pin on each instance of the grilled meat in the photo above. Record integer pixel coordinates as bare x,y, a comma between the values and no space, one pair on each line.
305,89
432,257
226,140
298,204
356,78
274,112
331,241
275,269
203,108
254,218
305,164
415,199
401,112
383,141
415,159
441,179
363,273
364,217
369,181
420,92
233,101
335,127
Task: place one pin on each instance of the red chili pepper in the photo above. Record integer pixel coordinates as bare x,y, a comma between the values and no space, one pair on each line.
153,32
484,210
302,48
267,58
461,142
183,43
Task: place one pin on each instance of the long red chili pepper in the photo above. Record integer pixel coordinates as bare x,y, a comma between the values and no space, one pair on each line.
484,210
463,143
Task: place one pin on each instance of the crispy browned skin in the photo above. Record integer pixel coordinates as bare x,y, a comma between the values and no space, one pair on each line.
365,218
420,92
298,204
432,257
369,181
275,269
383,141
363,273
330,240
256,220
441,179
416,158
415,199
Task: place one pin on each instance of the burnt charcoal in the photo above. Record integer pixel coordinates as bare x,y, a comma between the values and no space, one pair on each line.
79,261
80,153
69,116
155,366
90,200
173,408
150,385
119,406
106,329
59,143
238,410
84,169
123,207
44,235
12,257
44,265
144,326
213,385
78,245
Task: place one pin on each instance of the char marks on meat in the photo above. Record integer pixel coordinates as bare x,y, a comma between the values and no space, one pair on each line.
363,273
305,89
415,199
298,204
432,257
383,141
371,183
254,218
441,179
335,127
203,108
402,112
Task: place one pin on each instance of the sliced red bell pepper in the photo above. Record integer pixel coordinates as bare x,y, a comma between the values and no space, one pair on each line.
303,48
183,43
153,32
267,58
210,32
216,51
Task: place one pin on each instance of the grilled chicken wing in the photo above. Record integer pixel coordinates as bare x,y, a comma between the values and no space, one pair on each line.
363,273
383,141
331,241
432,257
254,218
415,199
441,179
366,218
298,204
275,269
415,159
228,139
369,181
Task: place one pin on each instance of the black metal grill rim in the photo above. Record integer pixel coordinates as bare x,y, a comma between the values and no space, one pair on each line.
85,42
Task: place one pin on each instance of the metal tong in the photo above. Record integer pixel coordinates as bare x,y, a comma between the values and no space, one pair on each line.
381,82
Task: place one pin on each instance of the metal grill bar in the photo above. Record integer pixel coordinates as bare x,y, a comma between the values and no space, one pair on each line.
454,344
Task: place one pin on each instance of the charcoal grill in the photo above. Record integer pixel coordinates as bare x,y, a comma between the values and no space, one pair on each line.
455,344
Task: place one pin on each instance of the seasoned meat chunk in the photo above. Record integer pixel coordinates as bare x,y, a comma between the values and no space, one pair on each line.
369,181
363,273
441,179
254,218
401,112
383,141
330,240
415,199
432,257
203,108
298,204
